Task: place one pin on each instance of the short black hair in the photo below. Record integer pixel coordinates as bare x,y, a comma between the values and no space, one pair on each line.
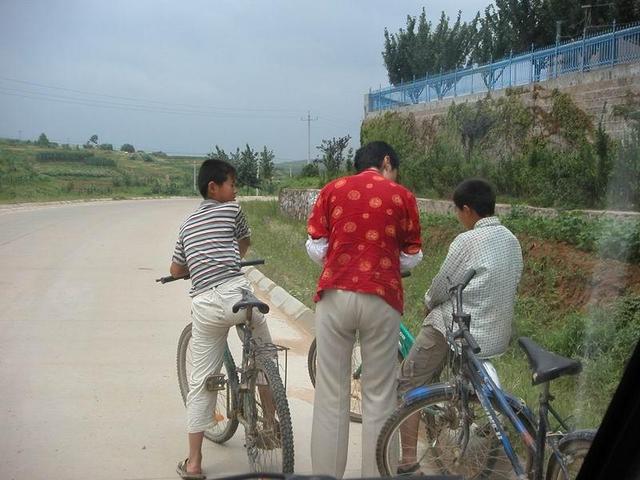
216,171
372,155
477,194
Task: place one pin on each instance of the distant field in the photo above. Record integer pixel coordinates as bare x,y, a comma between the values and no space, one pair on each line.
31,173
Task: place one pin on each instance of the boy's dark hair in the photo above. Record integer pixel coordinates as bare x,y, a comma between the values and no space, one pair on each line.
477,194
372,155
216,171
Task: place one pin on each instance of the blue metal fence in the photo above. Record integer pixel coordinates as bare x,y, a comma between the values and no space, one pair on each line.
589,53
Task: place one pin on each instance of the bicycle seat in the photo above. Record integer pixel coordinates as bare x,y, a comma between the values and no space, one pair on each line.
546,365
249,300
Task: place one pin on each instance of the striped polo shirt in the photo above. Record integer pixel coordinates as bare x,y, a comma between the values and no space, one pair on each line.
208,244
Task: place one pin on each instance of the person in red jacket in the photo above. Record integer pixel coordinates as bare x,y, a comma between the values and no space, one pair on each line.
363,230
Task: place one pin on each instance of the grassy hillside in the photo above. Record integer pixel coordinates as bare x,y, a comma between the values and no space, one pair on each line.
31,173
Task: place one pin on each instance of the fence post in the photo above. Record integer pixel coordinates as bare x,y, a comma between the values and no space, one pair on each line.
531,69
510,65
555,60
584,53
455,82
613,44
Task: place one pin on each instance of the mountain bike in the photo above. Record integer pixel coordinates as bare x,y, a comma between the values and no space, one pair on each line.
405,342
469,426
252,395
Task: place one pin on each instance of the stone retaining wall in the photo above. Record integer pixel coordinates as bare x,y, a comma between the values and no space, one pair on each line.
297,203
597,93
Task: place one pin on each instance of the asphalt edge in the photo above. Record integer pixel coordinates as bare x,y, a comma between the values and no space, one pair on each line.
283,300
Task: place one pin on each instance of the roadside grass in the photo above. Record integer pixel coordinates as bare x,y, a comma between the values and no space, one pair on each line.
602,336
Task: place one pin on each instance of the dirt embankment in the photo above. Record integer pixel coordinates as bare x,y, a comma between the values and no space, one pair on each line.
580,279
568,277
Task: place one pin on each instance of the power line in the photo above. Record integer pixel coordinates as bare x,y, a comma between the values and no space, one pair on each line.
143,100
15,92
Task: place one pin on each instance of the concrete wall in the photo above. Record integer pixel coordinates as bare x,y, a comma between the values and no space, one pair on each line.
594,92
297,203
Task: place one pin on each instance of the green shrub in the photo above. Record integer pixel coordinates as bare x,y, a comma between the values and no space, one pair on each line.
63,156
100,161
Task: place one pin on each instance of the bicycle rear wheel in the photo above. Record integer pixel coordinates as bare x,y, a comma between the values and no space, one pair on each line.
355,409
268,433
441,437
226,422
573,447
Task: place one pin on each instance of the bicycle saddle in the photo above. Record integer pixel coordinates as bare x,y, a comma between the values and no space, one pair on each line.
545,365
249,300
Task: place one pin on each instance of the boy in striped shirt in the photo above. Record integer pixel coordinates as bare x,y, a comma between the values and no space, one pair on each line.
211,242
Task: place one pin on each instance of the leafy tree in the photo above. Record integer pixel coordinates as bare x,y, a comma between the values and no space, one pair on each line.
106,146
310,170
93,139
127,147
333,154
234,158
219,154
248,167
266,164
411,54
42,141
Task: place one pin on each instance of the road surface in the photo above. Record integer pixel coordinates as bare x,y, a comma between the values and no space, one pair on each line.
88,342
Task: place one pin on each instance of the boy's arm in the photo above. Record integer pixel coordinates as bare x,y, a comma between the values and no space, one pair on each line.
451,268
176,270
243,245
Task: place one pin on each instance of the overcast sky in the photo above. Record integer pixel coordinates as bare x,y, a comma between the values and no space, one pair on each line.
183,76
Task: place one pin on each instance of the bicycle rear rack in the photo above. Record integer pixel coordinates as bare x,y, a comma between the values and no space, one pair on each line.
273,351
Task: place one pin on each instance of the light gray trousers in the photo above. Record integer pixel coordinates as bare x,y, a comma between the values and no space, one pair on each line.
212,317
339,315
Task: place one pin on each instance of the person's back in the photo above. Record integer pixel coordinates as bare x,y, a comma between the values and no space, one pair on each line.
495,254
361,229
207,243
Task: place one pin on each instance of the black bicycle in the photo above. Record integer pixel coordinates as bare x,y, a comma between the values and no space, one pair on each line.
469,426
253,395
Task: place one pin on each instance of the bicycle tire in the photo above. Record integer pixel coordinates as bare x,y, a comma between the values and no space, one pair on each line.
355,408
267,450
573,447
484,457
227,421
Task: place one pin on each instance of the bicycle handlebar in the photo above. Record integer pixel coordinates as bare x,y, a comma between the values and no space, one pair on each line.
243,263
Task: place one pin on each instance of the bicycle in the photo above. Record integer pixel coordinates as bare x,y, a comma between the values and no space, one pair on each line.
256,398
471,427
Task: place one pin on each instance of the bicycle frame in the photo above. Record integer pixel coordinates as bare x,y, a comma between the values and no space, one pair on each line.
406,341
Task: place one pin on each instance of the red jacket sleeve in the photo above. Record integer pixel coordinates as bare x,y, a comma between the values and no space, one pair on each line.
413,239
318,224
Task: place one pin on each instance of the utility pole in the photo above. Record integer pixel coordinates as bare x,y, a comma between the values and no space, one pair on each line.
194,176
587,14
309,120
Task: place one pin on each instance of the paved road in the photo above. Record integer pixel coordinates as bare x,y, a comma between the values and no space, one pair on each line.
88,386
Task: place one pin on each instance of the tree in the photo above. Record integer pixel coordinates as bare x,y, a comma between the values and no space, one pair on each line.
127,147
266,164
248,167
42,141
333,154
93,139
409,55
106,146
220,154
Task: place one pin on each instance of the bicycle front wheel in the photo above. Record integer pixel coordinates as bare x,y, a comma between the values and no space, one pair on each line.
355,408
268,433
573,447
448,440
225,422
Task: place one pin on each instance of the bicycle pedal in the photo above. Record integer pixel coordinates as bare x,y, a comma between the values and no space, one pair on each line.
215,382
